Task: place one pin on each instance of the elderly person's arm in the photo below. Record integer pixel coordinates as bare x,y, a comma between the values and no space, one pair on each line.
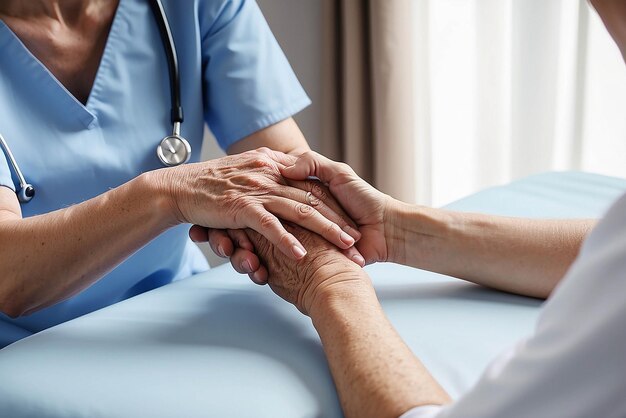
525,256
375,373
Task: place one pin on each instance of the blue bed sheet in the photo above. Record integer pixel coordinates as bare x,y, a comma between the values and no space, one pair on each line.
215,345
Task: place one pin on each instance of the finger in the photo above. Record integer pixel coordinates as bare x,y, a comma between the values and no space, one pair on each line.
268,225
240,239
326,204
309,218
244,261
246,258
260,276
354,255
313,164
198,233
221,243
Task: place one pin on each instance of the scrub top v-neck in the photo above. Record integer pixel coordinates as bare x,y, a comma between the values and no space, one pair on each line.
233,77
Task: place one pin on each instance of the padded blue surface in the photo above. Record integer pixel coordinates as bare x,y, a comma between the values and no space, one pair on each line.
215,345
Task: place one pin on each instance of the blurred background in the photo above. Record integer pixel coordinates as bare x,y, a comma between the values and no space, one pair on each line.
431,100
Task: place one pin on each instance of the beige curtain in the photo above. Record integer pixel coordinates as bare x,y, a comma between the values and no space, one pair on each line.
368,91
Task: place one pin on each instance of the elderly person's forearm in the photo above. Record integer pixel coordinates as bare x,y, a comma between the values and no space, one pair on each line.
524,256
375,373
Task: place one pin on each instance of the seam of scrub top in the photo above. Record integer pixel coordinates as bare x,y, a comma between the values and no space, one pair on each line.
113,41
30,60
267,120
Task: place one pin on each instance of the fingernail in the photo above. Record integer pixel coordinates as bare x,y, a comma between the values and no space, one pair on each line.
257,277
298,251
359,260
220,251
347,239
353,232
247,267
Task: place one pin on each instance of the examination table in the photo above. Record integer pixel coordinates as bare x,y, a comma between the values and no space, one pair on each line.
216,345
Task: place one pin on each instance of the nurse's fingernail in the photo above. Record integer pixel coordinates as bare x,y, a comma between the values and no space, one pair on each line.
220,251
298,251
346,239
247,267
359,260
353,232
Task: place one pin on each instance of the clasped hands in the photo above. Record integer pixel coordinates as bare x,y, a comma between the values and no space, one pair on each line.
302,236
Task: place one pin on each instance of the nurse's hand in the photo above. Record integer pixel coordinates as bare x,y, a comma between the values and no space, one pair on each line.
323,271
248,191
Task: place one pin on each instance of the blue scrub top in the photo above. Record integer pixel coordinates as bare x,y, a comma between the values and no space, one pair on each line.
234,77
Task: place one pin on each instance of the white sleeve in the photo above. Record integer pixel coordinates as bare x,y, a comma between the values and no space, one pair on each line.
574,365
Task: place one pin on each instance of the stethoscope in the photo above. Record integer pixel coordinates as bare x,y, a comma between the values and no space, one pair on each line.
173,150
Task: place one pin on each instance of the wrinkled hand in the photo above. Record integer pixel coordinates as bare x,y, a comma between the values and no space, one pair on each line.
248,191
236,244
322,271
362,202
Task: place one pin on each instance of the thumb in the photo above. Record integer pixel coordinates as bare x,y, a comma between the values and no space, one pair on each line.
312,164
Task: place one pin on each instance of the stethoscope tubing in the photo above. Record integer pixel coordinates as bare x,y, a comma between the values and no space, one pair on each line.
12,161
172,59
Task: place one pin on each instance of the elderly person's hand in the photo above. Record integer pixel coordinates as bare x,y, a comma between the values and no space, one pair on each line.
324,272
247,191
366,206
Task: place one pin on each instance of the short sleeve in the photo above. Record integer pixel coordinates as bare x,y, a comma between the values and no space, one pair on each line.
248,83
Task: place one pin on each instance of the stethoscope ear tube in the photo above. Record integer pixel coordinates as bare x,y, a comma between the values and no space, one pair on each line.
26,191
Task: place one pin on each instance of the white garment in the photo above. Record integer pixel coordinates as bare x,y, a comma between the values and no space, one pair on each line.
574,365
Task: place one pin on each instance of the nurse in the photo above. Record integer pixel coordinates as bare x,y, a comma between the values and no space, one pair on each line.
84,102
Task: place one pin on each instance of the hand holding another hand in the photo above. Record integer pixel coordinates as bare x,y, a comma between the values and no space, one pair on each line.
315,199
366,206
247,191
325,272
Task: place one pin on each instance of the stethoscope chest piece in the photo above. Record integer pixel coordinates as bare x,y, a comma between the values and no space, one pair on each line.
174,150
26,193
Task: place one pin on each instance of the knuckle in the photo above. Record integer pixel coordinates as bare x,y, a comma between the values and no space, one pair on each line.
303,211
238,203
263,161
285,239
318,191
267,221
331,229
